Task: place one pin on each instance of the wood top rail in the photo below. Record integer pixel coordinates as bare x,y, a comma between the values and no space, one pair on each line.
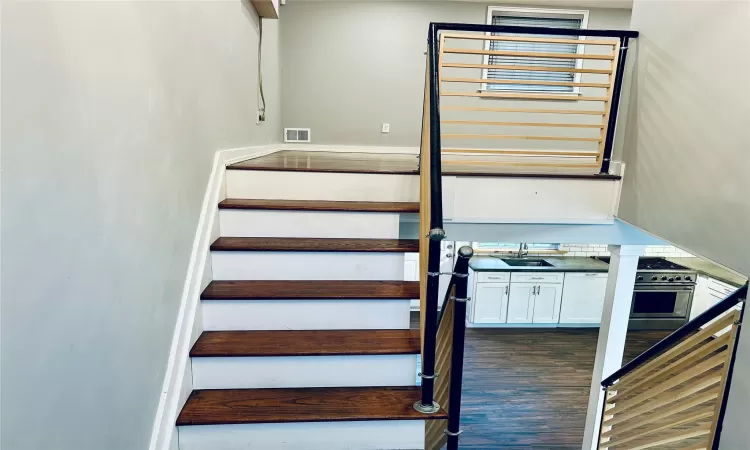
522,124
530,82
526,68
571,97
522,110
467,51
484,37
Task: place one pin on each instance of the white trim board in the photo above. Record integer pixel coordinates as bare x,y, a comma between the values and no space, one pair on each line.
177,378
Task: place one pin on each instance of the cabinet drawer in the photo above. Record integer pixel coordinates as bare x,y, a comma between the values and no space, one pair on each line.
537,277
492,277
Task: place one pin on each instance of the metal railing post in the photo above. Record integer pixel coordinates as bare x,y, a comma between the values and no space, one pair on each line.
461,272
427,403
614,106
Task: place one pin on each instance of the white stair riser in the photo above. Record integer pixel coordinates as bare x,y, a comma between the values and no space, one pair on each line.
229,265
366,435
269,185
308,224
355,314
303,371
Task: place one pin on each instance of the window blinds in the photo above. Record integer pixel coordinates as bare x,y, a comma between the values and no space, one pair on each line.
540,47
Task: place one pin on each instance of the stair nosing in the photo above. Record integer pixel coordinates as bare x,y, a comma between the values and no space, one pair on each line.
319,205
227,350
328,290
200,415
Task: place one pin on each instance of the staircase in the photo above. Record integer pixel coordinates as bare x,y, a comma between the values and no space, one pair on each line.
306,341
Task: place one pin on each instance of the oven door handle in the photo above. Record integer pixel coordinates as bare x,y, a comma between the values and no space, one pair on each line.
662,287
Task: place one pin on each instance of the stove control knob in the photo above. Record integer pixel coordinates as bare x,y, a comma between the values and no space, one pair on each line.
640,278
678,278
653,278
688,277
671,279
664,278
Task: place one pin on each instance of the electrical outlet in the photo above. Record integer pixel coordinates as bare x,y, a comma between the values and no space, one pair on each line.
260,117
386,128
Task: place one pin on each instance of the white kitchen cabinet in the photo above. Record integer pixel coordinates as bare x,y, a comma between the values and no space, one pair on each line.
521,302
583,297
490,302
547,303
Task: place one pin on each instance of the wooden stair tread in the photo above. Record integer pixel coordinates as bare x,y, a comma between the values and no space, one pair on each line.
315,244
320,205
306,343
237,406
310,289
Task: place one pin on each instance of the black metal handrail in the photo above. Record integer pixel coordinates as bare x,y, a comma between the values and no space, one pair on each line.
681,333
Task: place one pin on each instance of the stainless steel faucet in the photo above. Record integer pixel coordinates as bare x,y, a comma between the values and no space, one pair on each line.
523,249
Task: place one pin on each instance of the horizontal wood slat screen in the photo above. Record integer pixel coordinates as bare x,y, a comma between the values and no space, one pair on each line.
674,400
435,436
572,126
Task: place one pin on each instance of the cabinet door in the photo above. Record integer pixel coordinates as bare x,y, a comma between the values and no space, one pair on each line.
547,303
583,297
490,302
521,302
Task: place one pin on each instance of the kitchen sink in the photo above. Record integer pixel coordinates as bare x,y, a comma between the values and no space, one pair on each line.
526,262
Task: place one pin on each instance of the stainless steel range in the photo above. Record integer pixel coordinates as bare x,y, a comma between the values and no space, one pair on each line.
662,296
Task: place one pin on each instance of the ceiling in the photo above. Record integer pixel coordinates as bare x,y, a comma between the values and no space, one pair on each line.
626,4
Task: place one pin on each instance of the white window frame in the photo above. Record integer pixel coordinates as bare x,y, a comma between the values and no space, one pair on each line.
583,14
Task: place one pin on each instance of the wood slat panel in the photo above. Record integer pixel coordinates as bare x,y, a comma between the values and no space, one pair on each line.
650,419
704,414
435,438
698,431
571,97
521,124
522,110
534,82
679,378
525,68
511,163
467,51
424,202
518,152
683,346
675,367
608,103
671,398
507,136
484,37
724,378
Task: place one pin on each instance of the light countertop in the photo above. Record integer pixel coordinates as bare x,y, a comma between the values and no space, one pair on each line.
559,264
710,269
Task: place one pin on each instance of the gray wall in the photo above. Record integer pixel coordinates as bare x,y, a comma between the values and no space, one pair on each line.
347,67
112,112
686,148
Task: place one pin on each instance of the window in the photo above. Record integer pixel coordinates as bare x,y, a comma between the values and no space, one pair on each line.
552,18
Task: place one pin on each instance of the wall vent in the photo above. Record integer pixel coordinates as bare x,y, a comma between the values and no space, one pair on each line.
296,135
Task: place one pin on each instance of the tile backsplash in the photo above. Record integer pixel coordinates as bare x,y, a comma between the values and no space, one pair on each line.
666,251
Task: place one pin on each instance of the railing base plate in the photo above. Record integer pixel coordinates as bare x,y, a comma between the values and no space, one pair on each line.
426,409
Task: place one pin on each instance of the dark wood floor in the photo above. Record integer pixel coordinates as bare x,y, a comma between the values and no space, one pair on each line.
396,163
529,388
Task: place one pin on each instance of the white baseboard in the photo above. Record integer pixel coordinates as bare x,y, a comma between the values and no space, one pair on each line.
178,379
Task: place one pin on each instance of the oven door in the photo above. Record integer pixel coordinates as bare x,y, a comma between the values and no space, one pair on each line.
652,301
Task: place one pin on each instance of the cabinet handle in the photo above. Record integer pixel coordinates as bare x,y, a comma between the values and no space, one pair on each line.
506,290
494,278
591,274
537,278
